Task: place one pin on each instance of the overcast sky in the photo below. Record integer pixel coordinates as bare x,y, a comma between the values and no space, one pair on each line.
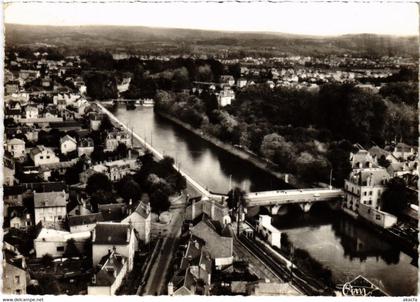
300,18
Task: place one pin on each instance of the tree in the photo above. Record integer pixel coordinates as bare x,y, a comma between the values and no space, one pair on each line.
71,249
98,182
395,197
159,199
47,260
382,161
236,198
128,189
121,151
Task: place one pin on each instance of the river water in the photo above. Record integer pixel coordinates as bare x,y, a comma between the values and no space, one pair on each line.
337,241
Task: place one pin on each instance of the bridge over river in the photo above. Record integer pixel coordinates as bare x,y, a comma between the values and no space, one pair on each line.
271,199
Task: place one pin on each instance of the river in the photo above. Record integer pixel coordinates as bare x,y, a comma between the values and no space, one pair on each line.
337,241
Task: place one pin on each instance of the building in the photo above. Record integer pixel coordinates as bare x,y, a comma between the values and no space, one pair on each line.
54,242
267,231
403,151
115,170
15,277
117,237
67,144
8,171
140,219
50,207
225,97
108,279
41,155
86,147
84,223
20,217
227,80
117,137
194,274
16,148
31,112
215,210
218,241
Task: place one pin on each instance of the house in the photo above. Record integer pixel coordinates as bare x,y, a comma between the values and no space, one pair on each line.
108,279
117,237
84,223
11,87
194,274
267,231
363,190
8,171
15,277
113,212
19,217
50,207
31,112
215,210
43,155
67,144
225,97
403,151
16,147
217,240
140,219
54,242
116,137
227,80
115,170
95,120
86,147
241,82
14,114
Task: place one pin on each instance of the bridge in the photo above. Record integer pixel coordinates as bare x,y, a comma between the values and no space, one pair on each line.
273,200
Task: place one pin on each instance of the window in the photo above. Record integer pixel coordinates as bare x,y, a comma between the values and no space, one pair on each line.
48,157
378,217
365,193
60,248
17,279
18,292
370,193
41,157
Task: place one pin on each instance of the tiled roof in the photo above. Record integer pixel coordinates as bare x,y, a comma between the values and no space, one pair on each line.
85,219
112,233
106,277
50,199
113,211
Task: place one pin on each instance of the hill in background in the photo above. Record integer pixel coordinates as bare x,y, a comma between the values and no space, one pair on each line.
138,39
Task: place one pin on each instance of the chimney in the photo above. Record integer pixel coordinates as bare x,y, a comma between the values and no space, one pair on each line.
128,233
93,235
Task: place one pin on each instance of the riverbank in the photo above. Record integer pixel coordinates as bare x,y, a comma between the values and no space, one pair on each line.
255,161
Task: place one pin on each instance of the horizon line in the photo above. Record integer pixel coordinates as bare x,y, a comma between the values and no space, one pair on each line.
219,30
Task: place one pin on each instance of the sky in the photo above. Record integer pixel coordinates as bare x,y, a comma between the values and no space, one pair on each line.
297,18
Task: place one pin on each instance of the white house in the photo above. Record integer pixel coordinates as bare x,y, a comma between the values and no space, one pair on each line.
265,228
50,207
115,138
118,237
140,219
31,112
54,242
225,97
43,155
67,144
16,147
110,276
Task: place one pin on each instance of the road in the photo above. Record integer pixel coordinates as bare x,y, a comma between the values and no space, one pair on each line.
156,284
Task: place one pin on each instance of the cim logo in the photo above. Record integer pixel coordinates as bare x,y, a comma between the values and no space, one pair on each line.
354,290
361,287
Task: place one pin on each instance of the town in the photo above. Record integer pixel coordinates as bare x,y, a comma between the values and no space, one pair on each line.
94,206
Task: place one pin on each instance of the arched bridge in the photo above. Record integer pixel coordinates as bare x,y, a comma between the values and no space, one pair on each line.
304,197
